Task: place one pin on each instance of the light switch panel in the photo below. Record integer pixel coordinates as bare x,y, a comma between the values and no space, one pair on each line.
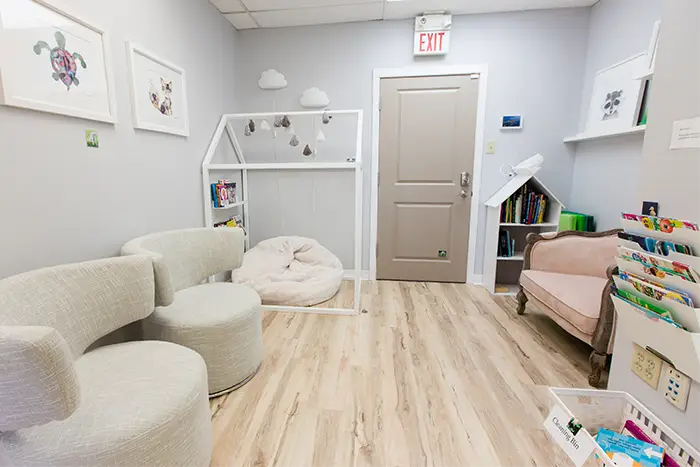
491,147
646,365
675,386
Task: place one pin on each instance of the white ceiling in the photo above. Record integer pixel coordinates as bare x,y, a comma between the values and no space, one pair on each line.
252,14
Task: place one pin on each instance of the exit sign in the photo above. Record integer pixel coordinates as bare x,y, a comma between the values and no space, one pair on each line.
431,43
432,36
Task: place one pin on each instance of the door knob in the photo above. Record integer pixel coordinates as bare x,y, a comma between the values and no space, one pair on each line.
463,194
464,179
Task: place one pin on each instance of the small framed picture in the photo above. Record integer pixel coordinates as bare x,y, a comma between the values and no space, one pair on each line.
512,122
159,93
650,208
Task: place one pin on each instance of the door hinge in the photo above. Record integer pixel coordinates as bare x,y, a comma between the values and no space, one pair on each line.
380,104
377,251
378,175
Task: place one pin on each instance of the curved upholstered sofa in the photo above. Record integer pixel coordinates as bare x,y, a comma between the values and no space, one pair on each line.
124,405
568,275
219,320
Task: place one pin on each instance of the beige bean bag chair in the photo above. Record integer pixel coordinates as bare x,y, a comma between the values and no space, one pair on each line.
293,271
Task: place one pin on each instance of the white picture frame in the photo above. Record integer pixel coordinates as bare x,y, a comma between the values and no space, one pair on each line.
621,77
52,61
158,92
512,122
653,45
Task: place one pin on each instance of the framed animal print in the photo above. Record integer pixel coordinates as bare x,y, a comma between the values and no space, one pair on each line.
159,93
52,61
616,97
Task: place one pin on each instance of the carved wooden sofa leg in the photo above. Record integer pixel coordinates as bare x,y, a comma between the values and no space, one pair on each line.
597,361
522,300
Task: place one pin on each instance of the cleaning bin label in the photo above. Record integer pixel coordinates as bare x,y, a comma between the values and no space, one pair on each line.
569,434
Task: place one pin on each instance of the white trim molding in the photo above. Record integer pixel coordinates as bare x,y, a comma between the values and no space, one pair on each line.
379,73
349,275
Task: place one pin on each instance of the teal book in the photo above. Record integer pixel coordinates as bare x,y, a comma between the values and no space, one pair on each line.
625,450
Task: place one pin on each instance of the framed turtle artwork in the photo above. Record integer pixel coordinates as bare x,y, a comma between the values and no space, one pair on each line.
52,61
158,92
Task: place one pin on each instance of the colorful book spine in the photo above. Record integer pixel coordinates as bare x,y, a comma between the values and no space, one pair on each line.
214,196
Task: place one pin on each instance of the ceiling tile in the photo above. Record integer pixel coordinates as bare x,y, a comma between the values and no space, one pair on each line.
229,6
261,5
242,20
411,8
325,15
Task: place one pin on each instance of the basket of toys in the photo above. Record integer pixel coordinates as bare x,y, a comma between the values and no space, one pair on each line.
613,429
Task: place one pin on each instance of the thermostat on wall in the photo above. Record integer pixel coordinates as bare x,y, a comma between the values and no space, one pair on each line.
511,122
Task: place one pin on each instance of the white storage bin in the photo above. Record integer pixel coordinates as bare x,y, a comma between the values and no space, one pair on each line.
611,409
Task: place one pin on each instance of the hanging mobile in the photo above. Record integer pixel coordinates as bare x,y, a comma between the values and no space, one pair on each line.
278,122
246,131
294,142
264,126
307,150
286,122
251,126
326,119
320,137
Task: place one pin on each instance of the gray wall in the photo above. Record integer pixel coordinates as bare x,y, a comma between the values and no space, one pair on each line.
618,30
535,60
676,96
62,202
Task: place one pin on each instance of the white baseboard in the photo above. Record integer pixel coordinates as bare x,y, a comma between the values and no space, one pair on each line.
477,279
349,274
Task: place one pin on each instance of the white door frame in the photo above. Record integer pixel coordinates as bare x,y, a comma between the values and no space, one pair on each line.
409,72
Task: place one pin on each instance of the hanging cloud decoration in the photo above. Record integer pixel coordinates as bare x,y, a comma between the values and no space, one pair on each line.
314,98
272,80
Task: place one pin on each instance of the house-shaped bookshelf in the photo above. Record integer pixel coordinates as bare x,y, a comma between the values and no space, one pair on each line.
502,265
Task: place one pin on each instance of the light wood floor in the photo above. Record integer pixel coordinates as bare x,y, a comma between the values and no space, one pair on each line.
433,374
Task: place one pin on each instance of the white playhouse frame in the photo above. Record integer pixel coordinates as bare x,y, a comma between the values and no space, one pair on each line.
244,167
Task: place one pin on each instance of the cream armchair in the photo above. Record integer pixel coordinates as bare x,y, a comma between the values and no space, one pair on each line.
124,405
568,275
221,321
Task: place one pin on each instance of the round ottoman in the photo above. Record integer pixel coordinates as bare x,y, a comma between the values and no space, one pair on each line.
222,322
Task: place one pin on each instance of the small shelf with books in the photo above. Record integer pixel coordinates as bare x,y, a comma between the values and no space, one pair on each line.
522,206
532,226
232,205
517,256
657,288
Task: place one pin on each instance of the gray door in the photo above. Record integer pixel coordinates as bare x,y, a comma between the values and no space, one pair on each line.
426,158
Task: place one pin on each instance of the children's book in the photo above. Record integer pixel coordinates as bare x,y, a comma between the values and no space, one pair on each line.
648,313
652,245
644,303
662,224
656,290
659,266
627,451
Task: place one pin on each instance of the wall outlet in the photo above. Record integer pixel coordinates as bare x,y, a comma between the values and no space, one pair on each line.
646,365
491,147
675,386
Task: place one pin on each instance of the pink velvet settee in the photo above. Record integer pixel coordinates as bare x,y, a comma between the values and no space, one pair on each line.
568,275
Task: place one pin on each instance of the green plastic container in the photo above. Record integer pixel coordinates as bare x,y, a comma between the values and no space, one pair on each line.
570,220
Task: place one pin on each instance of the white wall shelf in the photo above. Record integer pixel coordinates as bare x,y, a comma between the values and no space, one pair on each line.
640,129
231,206
649,74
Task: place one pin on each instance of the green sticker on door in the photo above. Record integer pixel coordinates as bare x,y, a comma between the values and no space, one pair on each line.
442,253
